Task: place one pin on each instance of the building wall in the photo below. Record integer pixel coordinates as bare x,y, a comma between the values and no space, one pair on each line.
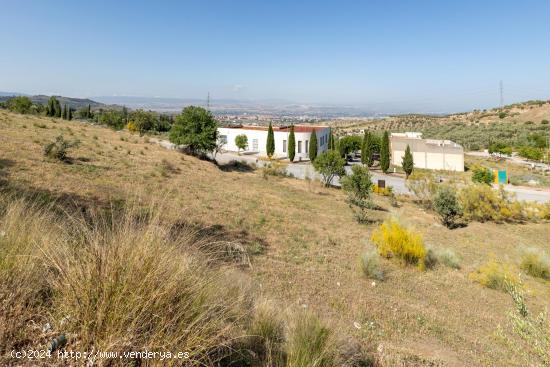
281,139
449,156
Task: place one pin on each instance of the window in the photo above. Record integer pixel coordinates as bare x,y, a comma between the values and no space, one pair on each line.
223,139
307,145
284,146
299,146
254,145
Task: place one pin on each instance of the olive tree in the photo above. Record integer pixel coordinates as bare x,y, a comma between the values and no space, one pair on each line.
195,128
241,141
329,164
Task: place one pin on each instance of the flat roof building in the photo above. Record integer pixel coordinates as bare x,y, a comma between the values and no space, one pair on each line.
257,139
427,153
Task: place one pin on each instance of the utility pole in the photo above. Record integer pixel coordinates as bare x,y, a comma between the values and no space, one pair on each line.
208,102
501,94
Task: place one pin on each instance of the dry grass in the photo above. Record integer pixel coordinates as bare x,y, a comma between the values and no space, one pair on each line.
308,237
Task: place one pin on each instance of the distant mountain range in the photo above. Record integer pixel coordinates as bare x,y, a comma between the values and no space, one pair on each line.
74,103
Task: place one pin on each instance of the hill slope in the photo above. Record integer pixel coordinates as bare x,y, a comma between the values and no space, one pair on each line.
303,238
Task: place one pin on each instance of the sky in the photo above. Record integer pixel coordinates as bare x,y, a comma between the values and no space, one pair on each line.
439,56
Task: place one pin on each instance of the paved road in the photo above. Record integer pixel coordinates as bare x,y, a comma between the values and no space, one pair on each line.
305,170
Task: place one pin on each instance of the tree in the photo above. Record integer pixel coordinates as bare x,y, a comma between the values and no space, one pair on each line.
69,114
57,108
89,114
291,144
358,187
329,164
313,146
447,206
19,104
270,145
196,128
407,163
385,152
367,149
140,120
54,108
331,142
349,144
241,141
64,113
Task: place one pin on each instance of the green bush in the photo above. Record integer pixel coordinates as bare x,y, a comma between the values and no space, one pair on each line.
330,165
531,153
535,263
483,175
59,148
358,187
447,206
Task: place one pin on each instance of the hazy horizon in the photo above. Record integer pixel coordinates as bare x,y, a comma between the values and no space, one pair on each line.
407,56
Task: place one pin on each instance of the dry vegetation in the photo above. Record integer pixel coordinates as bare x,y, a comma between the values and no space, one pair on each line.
303,244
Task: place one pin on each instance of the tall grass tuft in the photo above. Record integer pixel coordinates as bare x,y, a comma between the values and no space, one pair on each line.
310,343
370,265
535,262
495,275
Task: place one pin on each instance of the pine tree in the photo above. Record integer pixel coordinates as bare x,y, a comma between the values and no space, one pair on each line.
291,144
64,113
270,146
385,152
313,146
331,144
407,163
366,149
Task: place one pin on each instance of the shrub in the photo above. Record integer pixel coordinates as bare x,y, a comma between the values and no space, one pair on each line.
329,164
274,168
358,187
446,205
20,104
482,203
535,263
531,153
482,175
495,275
59,148
448,258
394,240
526,335
310,343
544,122
423,186
370,265
502,115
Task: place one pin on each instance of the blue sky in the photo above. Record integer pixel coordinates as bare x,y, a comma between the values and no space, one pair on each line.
418,55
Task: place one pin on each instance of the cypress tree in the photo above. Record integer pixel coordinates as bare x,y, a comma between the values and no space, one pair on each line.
331,145
407,163
57,107
64,113
89,113
313,146
270,146
69,114
291,144
385,152
366,149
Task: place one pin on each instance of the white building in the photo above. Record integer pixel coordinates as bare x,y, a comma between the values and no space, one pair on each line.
257,139
427,153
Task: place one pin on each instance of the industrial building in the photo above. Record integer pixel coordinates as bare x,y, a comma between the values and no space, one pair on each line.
427,153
